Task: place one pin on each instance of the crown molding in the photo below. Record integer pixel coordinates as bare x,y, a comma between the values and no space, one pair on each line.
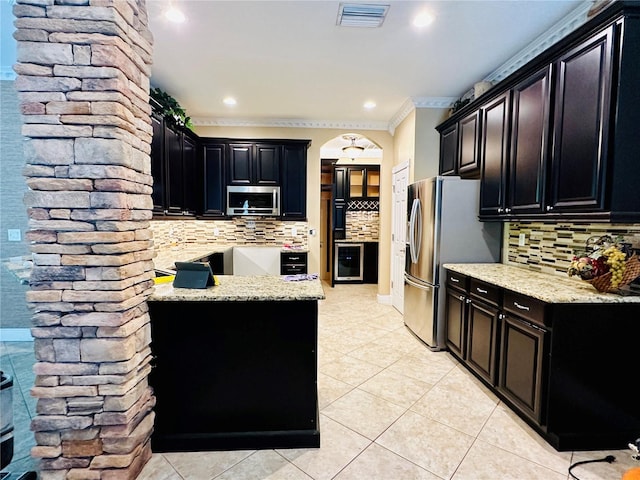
550,37
287,123
418,102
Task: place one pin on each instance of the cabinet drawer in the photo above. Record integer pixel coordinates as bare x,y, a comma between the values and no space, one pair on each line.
457,280
525,307
292,269
298,258
485,291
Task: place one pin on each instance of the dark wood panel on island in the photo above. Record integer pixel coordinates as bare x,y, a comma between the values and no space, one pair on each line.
235,365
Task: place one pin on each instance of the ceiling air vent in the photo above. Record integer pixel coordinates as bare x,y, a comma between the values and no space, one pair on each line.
362,14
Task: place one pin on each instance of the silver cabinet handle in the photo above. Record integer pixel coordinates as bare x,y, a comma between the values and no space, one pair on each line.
507,210
500,210
468,300
481,290
462,297
521,307
549,208
454,280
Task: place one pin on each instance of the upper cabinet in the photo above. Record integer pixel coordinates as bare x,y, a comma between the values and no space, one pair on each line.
191,173
174,167
557,140
363,182
254,164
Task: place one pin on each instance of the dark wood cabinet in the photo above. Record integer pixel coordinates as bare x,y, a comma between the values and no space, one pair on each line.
494,154
529,143
254,164
158,163
469,145
521,363
581,123
457,300
570,117
483,317
370,263
294,181
174,167
293,263
339,220
213,164
449,150
362,183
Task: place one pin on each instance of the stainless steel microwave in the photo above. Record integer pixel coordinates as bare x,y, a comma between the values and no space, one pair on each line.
253,200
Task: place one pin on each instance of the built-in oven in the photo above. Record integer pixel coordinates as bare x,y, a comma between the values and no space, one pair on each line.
349,261
253,200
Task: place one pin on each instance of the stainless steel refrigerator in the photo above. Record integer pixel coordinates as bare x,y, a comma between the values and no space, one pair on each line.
442,227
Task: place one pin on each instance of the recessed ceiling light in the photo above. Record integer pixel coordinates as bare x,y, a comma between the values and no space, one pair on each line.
174,15
423,19
369,105
230,101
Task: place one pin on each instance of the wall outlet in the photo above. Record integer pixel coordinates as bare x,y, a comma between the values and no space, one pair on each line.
294,231
251,224
312,232
522,240
216,232
13,234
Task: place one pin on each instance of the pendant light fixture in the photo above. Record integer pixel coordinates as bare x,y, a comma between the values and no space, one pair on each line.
352,151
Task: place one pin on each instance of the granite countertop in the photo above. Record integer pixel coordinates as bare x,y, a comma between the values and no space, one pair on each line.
234,288
543,286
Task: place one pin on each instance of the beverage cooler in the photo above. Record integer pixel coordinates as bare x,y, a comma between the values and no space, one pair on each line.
349,261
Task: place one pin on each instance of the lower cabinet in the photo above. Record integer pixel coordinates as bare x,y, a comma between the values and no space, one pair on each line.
370,263
554,364
293,263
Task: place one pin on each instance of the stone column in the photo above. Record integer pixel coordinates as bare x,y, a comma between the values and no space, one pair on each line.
83,81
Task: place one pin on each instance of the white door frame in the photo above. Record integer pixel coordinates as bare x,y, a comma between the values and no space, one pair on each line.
400,182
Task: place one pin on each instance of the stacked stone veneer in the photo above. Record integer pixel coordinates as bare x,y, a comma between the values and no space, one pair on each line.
83,80
363,226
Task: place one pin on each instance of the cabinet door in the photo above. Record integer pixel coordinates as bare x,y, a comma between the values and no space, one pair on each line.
175,170
158,163
469,146
581,125
294,182
266,165
372,182
455,327
240,163
191,179
494,153
529,143
340,184
521,366
355,183
449,150
339,220
214,184
482,340
370,263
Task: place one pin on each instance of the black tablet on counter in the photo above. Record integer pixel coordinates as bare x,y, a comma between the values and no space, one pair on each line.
193,275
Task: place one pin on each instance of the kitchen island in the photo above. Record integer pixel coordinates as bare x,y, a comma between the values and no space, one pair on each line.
235,364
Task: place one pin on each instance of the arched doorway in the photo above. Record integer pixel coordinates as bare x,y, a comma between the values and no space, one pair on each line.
358,209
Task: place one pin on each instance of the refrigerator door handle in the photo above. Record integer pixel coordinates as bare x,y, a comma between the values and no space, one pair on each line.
417,285
415,230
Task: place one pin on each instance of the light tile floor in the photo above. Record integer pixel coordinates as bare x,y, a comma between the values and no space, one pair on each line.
390,409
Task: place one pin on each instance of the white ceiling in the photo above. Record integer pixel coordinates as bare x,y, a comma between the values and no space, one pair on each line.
289,64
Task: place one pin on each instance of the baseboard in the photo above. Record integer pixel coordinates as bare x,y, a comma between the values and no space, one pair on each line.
15,335
384,299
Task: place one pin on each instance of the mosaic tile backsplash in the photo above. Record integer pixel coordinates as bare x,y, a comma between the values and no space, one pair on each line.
549,247
263,231
363,226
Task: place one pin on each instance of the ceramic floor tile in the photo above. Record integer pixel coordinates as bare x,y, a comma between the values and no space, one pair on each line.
364,413
507,431
158,468
264,464
377,353
378,463
204,465
430,370
330,389
427,443
486,462
458,402
338,447
396,388
350,370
